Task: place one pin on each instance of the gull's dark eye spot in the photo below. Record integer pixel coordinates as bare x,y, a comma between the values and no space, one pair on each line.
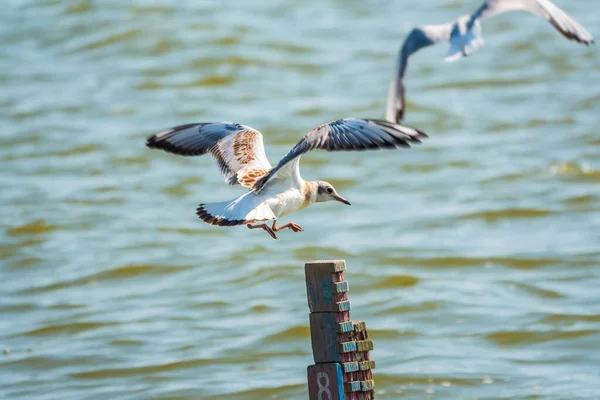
329,190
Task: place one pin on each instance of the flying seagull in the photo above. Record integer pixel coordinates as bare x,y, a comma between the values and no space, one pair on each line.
280,190
465,38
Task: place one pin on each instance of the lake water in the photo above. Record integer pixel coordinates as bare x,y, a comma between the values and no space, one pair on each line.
474,258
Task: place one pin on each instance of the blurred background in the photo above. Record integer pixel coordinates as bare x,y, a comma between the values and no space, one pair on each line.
474,258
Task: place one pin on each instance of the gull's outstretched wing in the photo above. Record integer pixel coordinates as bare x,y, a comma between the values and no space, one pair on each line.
569,27
417,39
342,135
238,149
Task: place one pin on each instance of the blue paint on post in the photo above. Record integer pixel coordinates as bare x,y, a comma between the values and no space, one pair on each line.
341,287
344,305
331,346
343,327
351,366
326,288
347,347
340,381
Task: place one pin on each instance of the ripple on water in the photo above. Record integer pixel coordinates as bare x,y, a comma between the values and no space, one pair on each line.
46,363
425,306
227,41
266,274
291,333
293,48
309,111
164,46
392,334
261,308
119,273
79,7
583,200
411,379
190,231
274,392
78,150
518,337
11,142
587,103
147,369
244,254
209,81
575,172
127,161
176,190
491,216
470,262
561,319
507,178
525,46
204,305
536,291
234,60
9,250
27,262
101,40
152,9
95,201
319,253
38,227
342,184
67,328
536,123
126,343
397,281
486,83
20,307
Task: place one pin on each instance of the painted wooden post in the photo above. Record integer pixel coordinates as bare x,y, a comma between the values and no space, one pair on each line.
343,365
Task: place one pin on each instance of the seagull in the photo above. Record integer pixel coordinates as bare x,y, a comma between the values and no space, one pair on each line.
417,39
280,190
465,38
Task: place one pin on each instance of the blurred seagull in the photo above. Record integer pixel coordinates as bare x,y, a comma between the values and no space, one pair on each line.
417,39
465,38
278,191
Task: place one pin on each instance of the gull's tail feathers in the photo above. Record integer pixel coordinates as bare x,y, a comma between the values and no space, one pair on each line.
246,209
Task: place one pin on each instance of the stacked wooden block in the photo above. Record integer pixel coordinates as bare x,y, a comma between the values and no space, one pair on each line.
342,369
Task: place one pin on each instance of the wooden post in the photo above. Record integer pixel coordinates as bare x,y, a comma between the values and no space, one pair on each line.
343,365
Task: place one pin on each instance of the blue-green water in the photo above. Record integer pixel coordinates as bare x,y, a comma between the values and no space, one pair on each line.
474,258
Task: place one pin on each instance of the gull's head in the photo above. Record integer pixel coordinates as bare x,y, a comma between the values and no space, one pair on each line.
326,192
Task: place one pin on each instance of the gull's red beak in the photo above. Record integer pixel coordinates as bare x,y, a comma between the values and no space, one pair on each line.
342,200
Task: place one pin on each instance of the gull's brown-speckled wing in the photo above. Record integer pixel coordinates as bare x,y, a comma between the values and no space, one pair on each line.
238,149
565,24
343,135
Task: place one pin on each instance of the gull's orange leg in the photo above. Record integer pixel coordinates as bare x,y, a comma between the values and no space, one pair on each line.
291,225
265,227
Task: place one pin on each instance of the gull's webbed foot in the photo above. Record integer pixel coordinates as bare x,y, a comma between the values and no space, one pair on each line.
291,225
265,227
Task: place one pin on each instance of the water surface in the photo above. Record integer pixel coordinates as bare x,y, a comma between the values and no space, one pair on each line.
474,258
